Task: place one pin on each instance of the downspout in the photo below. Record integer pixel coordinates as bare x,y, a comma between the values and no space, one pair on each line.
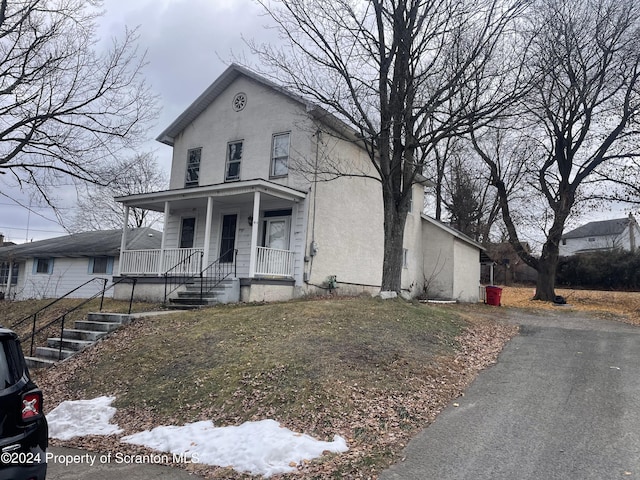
313,246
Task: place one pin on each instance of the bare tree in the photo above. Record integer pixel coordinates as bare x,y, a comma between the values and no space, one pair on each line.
398,73
584,63
65,108
97,209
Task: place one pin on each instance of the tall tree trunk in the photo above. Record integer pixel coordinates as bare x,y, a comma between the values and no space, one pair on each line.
394,222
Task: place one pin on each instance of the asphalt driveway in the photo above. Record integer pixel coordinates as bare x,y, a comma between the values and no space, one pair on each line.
563,402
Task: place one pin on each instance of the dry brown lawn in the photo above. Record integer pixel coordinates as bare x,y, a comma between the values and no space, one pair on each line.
625,305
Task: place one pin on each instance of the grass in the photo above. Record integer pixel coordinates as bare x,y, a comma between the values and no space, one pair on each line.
623,305
240,358
372,371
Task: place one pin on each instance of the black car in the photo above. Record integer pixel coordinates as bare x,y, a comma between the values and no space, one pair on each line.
23,427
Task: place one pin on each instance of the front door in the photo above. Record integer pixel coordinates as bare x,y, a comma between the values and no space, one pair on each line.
228,240
277,233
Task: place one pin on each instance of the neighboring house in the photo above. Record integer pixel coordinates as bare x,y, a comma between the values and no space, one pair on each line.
51,268
620,233
508,267
249,192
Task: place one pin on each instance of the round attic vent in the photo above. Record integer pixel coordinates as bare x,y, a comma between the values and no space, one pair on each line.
239,101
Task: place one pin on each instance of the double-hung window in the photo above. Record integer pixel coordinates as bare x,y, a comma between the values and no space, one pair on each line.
280,155
234,157
193,167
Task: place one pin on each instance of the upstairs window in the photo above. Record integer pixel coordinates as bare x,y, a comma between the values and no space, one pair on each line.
234,157
193,167
280,155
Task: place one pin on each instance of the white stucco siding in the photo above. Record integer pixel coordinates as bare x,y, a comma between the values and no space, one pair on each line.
67,274
348,231
412,273
266,113
466,274
438,261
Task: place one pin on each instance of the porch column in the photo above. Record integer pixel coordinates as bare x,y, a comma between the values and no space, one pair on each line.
123,240
9,279
254,235
207,233
164,238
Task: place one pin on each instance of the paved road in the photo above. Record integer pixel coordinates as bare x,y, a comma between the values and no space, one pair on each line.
563,402
71,464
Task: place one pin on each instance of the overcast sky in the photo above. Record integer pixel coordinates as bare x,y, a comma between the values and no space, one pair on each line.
189,43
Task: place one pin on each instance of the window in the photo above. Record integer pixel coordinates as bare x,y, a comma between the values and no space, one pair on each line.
564,241
280,155
187,232
591,239
101,265
4,273
234,156
193,167
43,265
405,258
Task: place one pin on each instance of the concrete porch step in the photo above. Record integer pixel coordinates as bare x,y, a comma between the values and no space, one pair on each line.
37,362
96,326
75,334
50,353
119,318
68,344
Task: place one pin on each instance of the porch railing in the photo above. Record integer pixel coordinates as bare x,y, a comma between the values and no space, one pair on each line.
145,262
274,262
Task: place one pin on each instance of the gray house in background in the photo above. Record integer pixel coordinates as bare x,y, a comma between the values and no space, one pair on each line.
51,268
619,233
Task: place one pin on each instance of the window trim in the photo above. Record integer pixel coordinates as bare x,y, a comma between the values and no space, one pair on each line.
228,162
193,183
36,264
272,163
108,266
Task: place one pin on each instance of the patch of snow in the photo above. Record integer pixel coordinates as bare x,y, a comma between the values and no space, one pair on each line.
78,418
260,448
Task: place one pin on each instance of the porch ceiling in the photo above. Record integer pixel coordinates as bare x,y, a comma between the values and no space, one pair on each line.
223,194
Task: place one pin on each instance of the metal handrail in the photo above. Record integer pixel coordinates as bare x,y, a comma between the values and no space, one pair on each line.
178,281
62,317
210,277
20,322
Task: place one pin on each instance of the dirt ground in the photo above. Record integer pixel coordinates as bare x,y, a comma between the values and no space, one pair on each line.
625,305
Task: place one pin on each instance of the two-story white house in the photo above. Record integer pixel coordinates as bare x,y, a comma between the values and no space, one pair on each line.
249,200
618,233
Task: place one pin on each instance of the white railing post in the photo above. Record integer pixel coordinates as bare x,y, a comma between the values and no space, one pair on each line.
254,235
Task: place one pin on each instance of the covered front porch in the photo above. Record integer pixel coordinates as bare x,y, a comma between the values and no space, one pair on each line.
250,230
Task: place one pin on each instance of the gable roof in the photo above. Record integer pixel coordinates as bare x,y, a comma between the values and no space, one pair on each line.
452,231
86,244
227,77
599,229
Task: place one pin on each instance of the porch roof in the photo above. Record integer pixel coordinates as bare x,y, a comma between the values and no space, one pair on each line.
222,192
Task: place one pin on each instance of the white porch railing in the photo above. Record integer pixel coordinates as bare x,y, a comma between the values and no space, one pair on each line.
269,262
145,262
274,262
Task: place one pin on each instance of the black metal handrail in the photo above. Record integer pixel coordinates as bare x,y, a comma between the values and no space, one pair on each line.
34,314
209,277
174,280
62,318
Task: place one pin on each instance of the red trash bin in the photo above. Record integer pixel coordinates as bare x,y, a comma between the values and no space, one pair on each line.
494,295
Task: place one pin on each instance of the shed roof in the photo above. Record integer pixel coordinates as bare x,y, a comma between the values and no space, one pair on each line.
85,244
599,228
